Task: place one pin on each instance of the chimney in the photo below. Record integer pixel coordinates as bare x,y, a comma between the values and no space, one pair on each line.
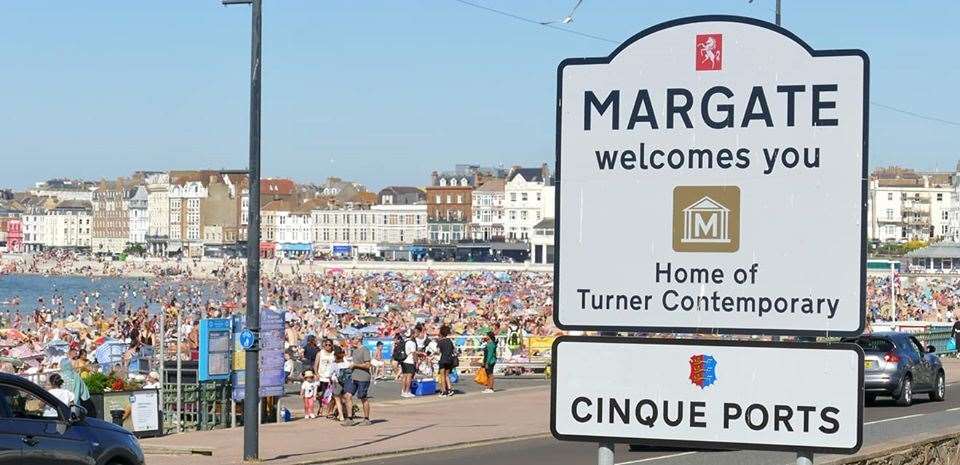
545,172
434,179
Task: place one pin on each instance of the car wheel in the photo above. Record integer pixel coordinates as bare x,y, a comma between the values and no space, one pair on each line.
906,393
870,398
940,389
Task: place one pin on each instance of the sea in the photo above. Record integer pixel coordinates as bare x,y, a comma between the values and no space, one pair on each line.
30,289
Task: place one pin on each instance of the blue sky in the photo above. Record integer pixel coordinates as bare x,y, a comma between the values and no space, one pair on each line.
386,91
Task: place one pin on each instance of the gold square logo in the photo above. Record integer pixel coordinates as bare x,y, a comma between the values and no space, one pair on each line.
706,219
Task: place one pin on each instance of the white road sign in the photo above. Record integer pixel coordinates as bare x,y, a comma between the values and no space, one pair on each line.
723,394
712,177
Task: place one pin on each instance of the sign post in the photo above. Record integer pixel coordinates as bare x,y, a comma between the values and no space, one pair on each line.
712,165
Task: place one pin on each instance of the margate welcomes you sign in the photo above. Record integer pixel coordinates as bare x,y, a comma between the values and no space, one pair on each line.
743,395
716,168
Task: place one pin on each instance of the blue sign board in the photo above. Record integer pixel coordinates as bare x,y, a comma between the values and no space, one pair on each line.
247,339
271,353
215,350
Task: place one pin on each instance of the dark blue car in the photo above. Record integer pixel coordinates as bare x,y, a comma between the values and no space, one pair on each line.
899,366
36,428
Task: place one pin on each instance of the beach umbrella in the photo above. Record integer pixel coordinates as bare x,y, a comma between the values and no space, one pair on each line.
337,309
372,329
75,326
349,331
12,334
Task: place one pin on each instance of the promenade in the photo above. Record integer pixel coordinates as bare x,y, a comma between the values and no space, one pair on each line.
444,426
399,426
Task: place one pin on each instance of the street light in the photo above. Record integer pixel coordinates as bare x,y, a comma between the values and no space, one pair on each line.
251,404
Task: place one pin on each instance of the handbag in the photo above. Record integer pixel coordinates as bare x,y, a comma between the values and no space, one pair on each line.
951,345
481,377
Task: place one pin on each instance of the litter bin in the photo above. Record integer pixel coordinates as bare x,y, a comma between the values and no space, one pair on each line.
117,417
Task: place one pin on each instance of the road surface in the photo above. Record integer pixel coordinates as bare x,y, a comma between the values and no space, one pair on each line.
882,421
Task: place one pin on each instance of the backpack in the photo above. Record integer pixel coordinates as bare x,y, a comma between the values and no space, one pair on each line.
399,351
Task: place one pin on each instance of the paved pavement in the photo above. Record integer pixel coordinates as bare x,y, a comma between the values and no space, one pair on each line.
510,426
518,409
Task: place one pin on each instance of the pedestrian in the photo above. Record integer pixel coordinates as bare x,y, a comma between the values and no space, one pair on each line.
956,336
310,352
308,391
323,366
359,382
489,360
377,362
338,375
287,366
56,388
408,366
74,382
448,360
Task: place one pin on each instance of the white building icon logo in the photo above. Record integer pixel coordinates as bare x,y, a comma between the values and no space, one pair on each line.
706,221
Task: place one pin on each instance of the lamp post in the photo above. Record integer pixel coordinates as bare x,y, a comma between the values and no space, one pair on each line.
251,404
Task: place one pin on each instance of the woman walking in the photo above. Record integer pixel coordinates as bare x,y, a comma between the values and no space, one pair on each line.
490,359
448,359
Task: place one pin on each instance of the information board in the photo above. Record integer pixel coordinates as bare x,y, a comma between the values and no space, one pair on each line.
271,354
215,349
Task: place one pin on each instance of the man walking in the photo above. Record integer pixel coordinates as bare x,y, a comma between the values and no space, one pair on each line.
408,365
359,384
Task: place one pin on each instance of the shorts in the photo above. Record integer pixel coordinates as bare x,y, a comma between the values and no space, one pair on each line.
408,368
322,388
376,363
448,366
358,389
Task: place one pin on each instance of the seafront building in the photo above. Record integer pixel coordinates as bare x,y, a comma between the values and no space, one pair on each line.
464,213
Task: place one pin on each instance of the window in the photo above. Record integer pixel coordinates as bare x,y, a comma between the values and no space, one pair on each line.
523,215
513,196
459,198
939,197
538,196
523,196
449,198
889,213
24,404
513,214
946,215
443,182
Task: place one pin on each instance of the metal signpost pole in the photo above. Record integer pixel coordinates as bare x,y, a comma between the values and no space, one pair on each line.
251,407
893,295
179,373
605,450
605,454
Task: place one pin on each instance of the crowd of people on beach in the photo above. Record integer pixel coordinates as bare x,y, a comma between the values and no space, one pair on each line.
930,299
330,305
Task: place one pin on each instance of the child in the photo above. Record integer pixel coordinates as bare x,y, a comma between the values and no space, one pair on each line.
287,366
377,362
308,391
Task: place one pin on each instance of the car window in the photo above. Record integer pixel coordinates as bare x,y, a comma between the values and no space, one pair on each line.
874,344
24,404
918,345
907,345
